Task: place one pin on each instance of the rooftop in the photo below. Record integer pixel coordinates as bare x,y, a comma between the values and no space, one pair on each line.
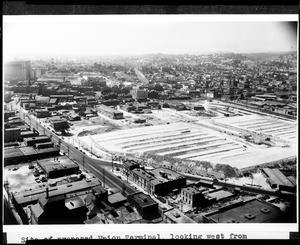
142,199
50,165
177,216
192,190
24,197
251,211
116,198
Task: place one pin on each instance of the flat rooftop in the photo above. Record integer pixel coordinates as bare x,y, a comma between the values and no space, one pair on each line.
143,200
178,217
50,164
257,212
25,197
192,190
219,194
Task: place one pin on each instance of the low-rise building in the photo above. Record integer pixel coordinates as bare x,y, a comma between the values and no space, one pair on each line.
42,113
277,179
110,112
28,153
58,168
175,216
38,139
251,211
159,181
12,134
144,204
59,124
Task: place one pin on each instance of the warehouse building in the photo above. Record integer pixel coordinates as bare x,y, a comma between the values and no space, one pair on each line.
250,211
28,153
159,181
128,166
12,134
43,145
57,195
58,168
177,106
59,124
8,114
144,204
38,139
110,112
191,196
175,216
277,179
42,113
29,134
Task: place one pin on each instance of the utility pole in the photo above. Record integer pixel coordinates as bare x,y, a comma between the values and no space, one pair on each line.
112,163
91,150
68,150
83,160
103,173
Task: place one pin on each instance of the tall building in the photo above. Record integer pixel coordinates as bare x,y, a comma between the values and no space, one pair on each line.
17,70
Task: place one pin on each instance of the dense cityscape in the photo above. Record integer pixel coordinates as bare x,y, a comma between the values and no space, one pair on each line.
157,138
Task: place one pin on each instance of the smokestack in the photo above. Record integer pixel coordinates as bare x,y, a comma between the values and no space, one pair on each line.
47,193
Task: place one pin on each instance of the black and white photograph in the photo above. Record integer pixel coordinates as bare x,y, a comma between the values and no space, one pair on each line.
150,126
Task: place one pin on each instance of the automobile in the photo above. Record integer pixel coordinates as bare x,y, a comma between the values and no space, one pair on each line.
14,169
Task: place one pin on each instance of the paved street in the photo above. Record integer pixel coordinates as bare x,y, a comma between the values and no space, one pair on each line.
95,166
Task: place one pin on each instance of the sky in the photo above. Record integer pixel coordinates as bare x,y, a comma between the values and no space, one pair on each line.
56,35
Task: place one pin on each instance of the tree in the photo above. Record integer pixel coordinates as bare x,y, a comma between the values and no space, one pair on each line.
106,90
153,95
158,87
115,89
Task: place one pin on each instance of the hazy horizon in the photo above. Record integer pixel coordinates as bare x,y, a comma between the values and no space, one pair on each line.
137,36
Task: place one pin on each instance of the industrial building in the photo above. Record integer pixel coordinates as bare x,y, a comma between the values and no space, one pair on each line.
277,179
175,216
128,166
43,145
194,196
53,201
29,134
250,211
191,196
28,153
8,114
42,113
110,112
144,204
12,134
57,168
159,181
17,70
38,139
59,124
116,200
177,106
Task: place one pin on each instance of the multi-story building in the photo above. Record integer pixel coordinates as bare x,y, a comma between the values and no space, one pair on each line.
159,181
17,70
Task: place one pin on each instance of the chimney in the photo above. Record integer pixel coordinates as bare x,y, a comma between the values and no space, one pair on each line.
47,193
